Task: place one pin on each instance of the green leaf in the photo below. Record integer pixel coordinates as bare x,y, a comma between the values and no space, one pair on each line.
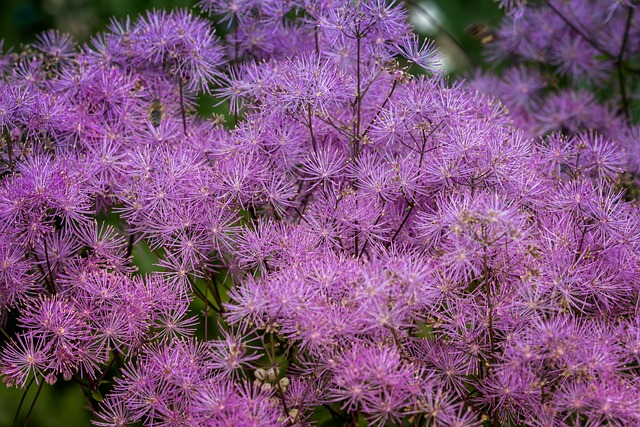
97,396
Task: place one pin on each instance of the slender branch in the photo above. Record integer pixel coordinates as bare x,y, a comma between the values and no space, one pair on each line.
118,359
371,82
356,131
354,418
272,359
212,284
130,242
33,404
619,66
200,295
487,291
384,104
85,392
10,150
300,214
374,224
24,396
315,37
99,380
46,258
404,221
182,111
310,126
3,332
330,122
236,41
48,284
582,34
412,202
206,315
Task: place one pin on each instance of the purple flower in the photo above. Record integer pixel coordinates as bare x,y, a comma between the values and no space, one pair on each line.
348,241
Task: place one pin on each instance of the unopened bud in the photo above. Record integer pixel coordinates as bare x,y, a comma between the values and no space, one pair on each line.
51,378
273,373
293,413
284,383
260,374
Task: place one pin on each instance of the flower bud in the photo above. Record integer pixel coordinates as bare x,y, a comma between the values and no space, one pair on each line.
272,373
293,413
284,383
260,374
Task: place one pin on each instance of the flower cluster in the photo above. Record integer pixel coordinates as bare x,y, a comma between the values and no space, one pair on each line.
568,67
363,241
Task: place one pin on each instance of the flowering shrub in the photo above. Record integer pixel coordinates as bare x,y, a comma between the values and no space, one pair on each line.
569,66
369,242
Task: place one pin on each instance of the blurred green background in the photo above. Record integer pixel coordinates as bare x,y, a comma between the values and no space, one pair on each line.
454,24
22,20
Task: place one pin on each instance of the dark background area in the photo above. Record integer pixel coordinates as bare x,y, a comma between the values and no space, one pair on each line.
22,20
454,24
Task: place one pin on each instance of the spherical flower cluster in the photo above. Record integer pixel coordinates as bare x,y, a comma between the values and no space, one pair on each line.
363,241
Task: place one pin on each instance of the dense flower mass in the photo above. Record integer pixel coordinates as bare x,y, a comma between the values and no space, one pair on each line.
357,241
569,67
